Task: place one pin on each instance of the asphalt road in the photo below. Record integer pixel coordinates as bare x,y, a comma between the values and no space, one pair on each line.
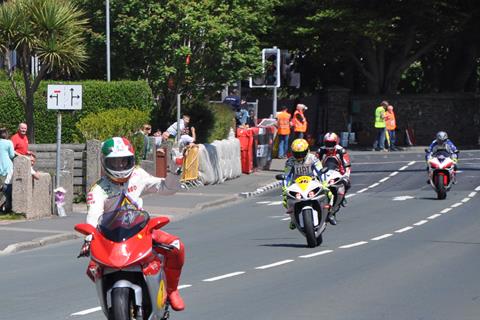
397,253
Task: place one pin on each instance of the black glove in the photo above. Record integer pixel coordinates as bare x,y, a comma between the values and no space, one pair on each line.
85,250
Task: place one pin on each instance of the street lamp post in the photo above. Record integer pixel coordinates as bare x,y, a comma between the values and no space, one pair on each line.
107,4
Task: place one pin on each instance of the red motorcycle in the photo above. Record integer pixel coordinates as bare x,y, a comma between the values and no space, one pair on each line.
127,271
441,173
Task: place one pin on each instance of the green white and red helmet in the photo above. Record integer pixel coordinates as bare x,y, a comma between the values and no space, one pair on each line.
118,159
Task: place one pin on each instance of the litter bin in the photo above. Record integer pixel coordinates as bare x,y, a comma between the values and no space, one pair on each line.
161,163
245,136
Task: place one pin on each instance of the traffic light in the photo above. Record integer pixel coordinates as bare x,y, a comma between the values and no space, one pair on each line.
271,70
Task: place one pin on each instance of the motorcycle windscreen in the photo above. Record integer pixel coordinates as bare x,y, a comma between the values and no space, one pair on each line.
120,225
442,154
331,163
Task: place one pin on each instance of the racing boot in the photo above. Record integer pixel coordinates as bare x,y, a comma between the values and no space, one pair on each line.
332,220
176,301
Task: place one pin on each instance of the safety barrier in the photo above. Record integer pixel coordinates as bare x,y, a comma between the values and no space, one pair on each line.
190,166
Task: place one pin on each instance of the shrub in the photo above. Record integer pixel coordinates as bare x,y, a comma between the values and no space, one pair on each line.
97,96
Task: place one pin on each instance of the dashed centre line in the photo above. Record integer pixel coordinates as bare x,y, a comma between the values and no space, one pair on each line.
403,229
356,244
419,223
387,235
458,204
87,311
466,200
320,253
276,264
228,275
472,194
434,216
446,210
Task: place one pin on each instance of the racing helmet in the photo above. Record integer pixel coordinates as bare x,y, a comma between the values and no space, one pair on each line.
300,148
330,140
441,137
118,159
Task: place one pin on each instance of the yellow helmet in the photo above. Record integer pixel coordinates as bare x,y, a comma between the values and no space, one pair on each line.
300,148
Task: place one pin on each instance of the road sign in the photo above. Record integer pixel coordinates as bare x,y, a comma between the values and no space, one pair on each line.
64,97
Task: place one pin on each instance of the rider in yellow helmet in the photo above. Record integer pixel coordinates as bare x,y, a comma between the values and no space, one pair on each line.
304,163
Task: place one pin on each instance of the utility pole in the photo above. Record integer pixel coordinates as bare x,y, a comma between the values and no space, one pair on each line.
107,4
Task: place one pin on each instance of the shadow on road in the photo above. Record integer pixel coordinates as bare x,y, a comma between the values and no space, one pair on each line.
284,245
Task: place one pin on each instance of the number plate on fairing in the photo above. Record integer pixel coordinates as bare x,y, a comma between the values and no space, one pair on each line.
303,170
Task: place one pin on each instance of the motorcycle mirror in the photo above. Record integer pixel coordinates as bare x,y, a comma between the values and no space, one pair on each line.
457,152
426,150
324,170
280,176
157,223
85,228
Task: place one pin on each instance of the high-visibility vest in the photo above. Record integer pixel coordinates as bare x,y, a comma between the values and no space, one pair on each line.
299,126
379,121
390,121
283,123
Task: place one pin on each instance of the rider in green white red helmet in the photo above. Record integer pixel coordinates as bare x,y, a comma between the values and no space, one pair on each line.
118,159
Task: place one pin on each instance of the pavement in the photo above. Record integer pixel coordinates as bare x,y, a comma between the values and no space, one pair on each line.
28,234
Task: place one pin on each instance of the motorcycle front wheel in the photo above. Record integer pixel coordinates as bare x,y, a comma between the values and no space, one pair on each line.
441,192
308,228
122,305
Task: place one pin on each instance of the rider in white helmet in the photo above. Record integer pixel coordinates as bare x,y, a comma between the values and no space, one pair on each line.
122,178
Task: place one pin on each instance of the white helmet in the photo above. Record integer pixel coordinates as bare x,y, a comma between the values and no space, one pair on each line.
118,159
442,137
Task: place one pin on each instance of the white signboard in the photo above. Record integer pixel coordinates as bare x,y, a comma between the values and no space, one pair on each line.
64,97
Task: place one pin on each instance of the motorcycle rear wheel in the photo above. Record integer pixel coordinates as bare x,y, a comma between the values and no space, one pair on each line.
122,306
309,229
441,192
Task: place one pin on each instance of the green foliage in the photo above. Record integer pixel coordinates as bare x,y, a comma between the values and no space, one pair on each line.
152,39
97,96
211,121
118,122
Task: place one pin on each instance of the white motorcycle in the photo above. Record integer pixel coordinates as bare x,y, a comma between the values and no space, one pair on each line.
335,181
441,173
310,205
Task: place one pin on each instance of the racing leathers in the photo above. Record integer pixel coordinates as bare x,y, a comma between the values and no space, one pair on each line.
342,160
105,195
436,147
309,166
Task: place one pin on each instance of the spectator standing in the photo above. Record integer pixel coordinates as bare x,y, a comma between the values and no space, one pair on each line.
242,114
299,121
187,132
251,119
283,124
233,99
20,140
379,143
391,125
6,168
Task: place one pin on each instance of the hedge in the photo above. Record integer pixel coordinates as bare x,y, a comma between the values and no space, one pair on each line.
97,96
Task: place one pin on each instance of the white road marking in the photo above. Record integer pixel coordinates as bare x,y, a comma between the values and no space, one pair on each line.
84,312
350,195
382,237
403,168
446,210
466,200
472,194
285,219
458,204
374,185
384,179
276,264
316,254
419,223
434,216
411,163
228,275
274,203
403,229
477,188
363,190
393,174
263,202
275,217
402,198
356,244
183,286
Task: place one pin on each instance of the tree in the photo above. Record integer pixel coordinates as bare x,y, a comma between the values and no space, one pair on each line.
51,30
381,38
188,47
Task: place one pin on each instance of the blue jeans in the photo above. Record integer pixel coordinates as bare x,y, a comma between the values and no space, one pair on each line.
391,135
379,142
282,145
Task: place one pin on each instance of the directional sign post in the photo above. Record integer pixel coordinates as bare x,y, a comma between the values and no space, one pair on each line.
62,97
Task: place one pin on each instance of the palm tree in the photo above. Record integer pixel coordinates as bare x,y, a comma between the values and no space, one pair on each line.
51,30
